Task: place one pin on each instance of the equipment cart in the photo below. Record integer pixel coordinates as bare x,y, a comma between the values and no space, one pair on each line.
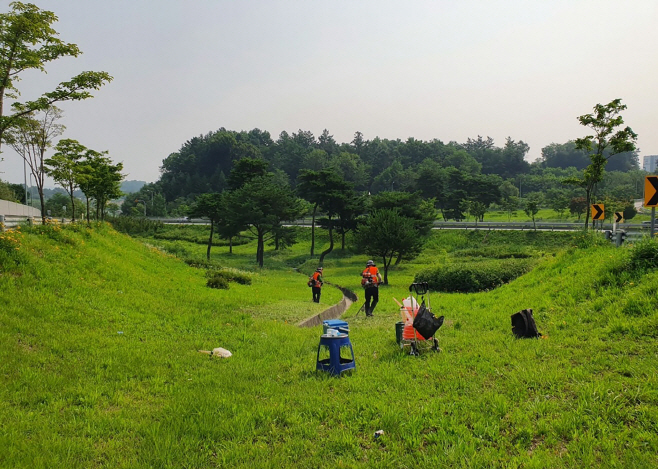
420,325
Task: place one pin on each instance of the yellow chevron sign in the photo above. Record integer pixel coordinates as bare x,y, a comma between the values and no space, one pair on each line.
651,191
597,212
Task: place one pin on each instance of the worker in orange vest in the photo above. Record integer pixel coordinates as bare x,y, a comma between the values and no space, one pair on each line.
370,280
316,278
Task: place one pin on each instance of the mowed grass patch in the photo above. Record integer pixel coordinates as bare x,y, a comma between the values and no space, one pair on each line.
77,393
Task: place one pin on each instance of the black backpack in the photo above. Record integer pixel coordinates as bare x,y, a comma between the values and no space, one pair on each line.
523,325
426,323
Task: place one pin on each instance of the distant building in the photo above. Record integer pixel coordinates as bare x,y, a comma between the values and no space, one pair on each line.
650,163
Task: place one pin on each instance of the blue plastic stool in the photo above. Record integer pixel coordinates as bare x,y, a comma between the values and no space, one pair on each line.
335,364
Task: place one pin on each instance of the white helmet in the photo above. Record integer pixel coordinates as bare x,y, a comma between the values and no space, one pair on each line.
370,262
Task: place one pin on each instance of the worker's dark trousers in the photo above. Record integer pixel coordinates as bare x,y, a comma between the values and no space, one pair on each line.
316,294
372,298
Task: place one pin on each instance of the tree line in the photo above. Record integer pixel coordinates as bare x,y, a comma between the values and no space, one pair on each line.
245,181
28,42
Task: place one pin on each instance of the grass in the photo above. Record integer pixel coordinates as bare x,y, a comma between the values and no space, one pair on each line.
98,357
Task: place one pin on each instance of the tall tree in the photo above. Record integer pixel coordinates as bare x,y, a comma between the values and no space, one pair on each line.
262,204
30,138
63,166
339,195
28,42
208,206
310,186
100,179
606,142
348,215
385,234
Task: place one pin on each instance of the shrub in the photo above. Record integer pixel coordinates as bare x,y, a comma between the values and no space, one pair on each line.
218,281
494,252
469,278
136,226
644,255
202,264
178,248
221,278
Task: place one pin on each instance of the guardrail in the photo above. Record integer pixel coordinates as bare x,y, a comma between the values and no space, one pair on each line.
635,230
543,226
8,222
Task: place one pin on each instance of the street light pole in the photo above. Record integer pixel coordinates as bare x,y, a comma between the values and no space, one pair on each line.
25,178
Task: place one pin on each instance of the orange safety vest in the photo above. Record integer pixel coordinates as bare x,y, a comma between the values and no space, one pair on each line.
316,276
370,273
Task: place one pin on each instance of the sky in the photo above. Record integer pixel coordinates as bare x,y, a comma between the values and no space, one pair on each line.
447,70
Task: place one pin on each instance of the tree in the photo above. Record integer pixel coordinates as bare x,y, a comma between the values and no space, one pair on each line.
100,179
348,215
30,138
57,204
386,234
208,206
410,205
510,205
28,42
605,143
477,209
577,206
63,167
7,192
532,208
560,205
339,195
311,185
261,205
245,170
113,208
19,190
350,167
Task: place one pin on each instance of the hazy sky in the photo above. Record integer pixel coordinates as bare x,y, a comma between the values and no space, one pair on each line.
395,69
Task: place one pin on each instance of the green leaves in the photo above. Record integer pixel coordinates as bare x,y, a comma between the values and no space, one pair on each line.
28,42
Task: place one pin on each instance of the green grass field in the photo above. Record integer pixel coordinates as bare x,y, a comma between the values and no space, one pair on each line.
99,362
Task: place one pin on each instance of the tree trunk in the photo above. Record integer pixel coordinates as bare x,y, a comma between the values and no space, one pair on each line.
230,244
398,259
39,183
260,249
87,209
43,206
72,206
588,197
315,208
212,229
386,265
331,243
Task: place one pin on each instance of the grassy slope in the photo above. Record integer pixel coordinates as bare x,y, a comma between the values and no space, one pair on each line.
77,393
